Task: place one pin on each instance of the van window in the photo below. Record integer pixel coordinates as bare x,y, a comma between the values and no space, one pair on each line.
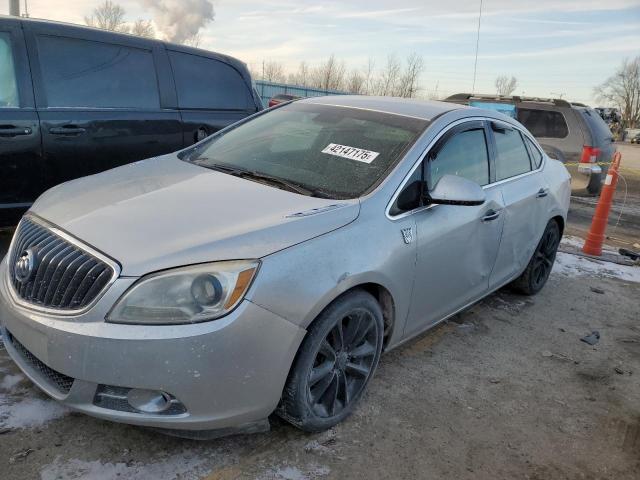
465,155
83,73
8,86
543,123
206,83
512,158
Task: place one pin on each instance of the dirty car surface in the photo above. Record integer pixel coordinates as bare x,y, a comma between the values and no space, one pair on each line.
267,267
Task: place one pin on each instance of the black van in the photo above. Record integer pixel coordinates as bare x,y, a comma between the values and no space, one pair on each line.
76,101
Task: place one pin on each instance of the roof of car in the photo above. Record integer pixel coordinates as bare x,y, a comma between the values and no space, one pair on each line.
423,109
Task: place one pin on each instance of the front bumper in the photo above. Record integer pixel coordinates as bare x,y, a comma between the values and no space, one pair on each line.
227,373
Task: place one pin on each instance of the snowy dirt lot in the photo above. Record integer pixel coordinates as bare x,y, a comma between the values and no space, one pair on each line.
504,390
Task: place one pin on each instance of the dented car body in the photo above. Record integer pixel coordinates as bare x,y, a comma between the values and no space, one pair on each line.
176,292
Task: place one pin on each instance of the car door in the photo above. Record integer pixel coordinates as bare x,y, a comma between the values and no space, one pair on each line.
456,245
100,100
525,195
20,146
211,93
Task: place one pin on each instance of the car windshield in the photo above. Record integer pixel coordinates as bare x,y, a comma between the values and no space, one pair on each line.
320,150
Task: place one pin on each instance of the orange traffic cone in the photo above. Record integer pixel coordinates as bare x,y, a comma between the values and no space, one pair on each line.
595,238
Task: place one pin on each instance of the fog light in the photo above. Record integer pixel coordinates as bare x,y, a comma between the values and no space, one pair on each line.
149,401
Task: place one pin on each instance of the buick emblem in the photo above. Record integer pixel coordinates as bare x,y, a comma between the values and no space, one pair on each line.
25,265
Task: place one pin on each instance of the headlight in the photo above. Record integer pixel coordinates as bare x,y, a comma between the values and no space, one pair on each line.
185,295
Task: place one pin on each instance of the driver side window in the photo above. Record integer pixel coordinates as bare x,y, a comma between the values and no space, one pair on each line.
465,155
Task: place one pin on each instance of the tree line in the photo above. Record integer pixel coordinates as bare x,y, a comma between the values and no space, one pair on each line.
396,77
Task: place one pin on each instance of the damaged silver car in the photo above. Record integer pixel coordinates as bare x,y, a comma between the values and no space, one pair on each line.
267,267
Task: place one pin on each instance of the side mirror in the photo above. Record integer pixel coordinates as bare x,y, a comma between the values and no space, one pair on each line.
454,190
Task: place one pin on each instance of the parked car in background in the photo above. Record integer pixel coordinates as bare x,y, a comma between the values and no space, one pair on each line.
573,133
76,101
635,138
281,98
267,268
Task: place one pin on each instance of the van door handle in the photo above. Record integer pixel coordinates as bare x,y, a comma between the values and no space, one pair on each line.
490,215
543,192
11,131
67,130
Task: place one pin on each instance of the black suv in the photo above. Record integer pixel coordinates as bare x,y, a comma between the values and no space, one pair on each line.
570,132
76,101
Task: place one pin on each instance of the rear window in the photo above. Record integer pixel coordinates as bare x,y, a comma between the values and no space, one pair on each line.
543,123
598,127
8,87
206,83
83,73
335,151
513,157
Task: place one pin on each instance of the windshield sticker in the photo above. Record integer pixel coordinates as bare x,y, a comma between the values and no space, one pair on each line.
352,153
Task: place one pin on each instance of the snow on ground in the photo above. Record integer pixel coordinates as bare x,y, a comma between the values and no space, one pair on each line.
287,472
10,381
28,412
574,265
183,466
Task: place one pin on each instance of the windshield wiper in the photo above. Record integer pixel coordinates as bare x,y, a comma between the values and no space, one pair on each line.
252,174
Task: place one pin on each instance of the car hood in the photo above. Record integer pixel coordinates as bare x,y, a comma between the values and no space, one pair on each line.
163,212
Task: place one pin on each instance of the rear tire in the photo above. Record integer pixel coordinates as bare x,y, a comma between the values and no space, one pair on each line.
334,363
536,274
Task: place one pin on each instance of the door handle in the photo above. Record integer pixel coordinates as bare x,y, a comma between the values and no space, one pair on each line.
543,192
70,130
490,215
11,131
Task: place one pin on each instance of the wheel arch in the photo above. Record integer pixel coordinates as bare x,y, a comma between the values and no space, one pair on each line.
559,219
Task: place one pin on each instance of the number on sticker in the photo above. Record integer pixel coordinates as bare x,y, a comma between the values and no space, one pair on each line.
352,153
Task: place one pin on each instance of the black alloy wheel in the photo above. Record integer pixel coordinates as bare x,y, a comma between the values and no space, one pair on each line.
343,363
539,268
335,362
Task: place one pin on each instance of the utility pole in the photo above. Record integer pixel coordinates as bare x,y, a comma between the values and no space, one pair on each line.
475,64
14,8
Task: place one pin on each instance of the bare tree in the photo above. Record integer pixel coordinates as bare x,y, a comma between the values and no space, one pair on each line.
273,71
505,86
622,89
407,84
108,16
329,75
369,76
356,82
301,77
387,83
143,28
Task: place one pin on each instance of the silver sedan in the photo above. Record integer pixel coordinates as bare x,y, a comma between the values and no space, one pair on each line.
267,267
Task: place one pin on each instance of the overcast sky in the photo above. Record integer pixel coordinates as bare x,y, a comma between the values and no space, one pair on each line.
551,46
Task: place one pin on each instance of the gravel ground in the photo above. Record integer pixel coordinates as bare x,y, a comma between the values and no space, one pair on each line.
504,390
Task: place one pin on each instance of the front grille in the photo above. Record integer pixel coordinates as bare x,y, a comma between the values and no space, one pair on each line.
59,380
64,276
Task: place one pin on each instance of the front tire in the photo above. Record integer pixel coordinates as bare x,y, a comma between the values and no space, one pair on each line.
537,272
334,364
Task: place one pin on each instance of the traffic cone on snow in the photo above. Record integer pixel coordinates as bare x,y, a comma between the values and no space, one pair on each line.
595,238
